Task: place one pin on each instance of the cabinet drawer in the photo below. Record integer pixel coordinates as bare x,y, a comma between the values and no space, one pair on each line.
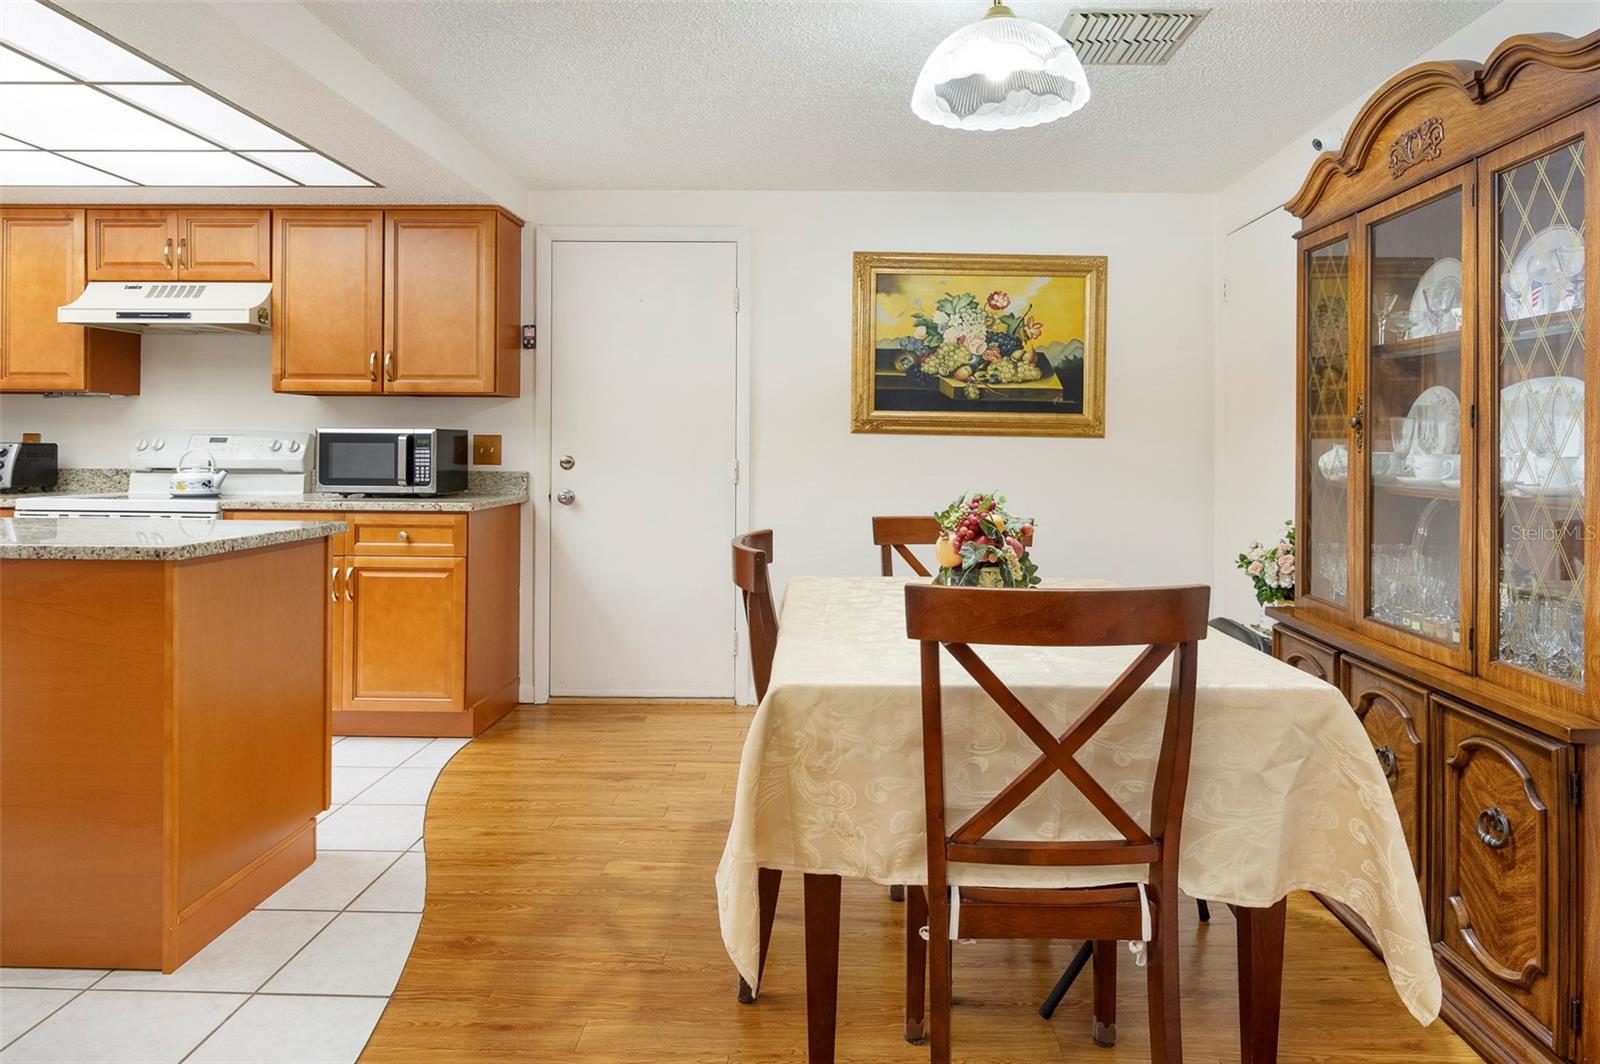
1395,716
1306,655
407,535
1505,856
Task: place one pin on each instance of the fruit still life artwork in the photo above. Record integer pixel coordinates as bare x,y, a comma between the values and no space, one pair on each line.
972,347
983,545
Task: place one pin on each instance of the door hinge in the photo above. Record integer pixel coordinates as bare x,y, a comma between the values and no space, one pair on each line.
736,642
1472,416
1472,640
1474,193
736,471
1576,1015
736,301
1575,788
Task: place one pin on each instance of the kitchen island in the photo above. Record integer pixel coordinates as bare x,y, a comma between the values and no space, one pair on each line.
164,731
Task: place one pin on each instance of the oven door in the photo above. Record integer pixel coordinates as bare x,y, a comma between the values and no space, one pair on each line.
375,461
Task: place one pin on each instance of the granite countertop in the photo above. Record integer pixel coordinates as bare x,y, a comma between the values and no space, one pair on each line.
147,538
486,490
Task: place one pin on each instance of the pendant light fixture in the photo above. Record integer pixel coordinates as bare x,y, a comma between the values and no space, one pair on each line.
1001,72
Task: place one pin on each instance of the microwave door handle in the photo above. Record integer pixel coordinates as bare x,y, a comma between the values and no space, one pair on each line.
402,468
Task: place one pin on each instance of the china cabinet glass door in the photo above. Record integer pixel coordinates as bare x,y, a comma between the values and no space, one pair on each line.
1539,198
1324,528
1414,443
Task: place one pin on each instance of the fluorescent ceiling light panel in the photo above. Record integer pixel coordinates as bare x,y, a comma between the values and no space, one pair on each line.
60,117
17,67
187,168
18,168
206,115
309,168
53,37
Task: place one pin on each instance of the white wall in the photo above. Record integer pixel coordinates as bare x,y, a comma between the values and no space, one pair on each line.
1254,483
1133,507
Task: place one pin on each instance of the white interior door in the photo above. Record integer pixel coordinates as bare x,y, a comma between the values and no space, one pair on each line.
642,338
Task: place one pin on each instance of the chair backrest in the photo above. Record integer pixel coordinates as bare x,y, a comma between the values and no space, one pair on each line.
1167,622
893,535
752,554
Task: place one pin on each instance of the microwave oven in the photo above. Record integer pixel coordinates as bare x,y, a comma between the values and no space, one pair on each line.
392,461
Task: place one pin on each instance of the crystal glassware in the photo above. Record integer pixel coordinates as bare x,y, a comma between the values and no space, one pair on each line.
1386,304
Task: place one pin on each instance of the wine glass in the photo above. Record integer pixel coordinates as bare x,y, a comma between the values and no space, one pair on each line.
1514,287
1570,261
1573,634
1386,304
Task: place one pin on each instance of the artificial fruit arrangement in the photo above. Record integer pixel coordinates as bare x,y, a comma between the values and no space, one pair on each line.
982,545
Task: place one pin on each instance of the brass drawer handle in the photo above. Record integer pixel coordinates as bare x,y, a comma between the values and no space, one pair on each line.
166,253
185,260
1494,830
388,365
1388,762
372,366
333,585
349,583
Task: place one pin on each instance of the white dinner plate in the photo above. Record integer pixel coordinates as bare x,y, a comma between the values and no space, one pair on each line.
1539,416
1439,396
1543,244
1419,307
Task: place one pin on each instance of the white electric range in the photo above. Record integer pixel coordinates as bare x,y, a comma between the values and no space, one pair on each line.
259,464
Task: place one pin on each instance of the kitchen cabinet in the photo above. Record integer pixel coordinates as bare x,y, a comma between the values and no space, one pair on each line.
327,301
41,268
189,244
423,628
406,301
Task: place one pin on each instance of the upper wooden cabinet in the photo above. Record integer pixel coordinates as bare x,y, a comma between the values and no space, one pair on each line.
327,301
445,285
162,244
41,268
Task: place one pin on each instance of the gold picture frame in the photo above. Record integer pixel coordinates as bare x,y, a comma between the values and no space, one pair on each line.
1054,383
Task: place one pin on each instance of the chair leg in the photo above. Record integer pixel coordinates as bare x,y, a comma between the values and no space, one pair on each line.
767,882
916,965
897,893
1205,910
1166,1028
941,980
1104,1030
1068,977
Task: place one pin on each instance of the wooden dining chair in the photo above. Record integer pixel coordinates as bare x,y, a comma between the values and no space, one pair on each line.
896,535
1165,623
752,554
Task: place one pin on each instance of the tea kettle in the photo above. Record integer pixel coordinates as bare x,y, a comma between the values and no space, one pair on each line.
197,480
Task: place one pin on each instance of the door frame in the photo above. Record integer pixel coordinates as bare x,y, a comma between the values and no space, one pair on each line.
545,237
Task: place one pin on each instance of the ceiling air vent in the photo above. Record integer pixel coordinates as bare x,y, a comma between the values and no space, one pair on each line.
1135,37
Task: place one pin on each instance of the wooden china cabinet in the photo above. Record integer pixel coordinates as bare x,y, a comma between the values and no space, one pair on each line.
1449,394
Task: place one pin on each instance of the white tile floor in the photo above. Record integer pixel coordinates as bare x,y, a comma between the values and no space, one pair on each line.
301,980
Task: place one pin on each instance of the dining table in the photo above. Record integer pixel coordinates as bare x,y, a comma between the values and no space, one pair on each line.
1285,792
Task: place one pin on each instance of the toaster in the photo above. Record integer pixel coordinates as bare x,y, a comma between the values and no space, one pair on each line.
27,465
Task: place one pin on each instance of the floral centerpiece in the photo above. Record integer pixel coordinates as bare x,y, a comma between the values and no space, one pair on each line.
976,345
1272,569
982,545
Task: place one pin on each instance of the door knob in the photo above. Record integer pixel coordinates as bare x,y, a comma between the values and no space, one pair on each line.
565,497
567,462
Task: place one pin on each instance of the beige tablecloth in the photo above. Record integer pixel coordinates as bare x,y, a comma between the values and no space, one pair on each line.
1284,791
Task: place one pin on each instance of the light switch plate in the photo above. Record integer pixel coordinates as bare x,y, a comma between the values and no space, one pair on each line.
486,450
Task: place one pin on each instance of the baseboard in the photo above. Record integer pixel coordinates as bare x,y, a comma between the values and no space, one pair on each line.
221,907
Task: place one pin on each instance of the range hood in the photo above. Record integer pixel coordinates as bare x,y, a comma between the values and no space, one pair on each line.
168,306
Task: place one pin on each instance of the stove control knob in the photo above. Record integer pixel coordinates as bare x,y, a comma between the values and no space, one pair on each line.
294,445
277,445
142,444
161,441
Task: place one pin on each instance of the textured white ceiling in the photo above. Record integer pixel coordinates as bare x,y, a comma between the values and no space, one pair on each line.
814,95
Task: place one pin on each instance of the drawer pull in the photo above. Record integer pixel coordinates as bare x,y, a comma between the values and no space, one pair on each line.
405,537
1388,762
333,585
349,583
1494,830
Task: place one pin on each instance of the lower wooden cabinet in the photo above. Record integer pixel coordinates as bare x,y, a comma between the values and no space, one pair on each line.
1506,868
1307,655
422,632
1395,716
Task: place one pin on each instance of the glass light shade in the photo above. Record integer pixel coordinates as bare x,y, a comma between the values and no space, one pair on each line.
63,117
1001,72
309,168
181,167
21,168
206,115
58,40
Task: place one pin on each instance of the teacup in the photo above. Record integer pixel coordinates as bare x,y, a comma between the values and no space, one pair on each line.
1386,465
1435,467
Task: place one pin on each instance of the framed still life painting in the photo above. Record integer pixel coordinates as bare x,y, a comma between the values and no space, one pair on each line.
980,345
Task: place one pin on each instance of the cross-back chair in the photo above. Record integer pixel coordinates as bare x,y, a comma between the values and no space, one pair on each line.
1165,623
752,555
896,535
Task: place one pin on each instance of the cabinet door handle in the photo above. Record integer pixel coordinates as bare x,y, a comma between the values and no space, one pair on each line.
166,253
372,366
333,585
184,260
405,536
1388,762
388,365
1359,422
349,583
1494,828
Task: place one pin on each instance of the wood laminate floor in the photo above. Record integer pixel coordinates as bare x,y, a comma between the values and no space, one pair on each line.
571,916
